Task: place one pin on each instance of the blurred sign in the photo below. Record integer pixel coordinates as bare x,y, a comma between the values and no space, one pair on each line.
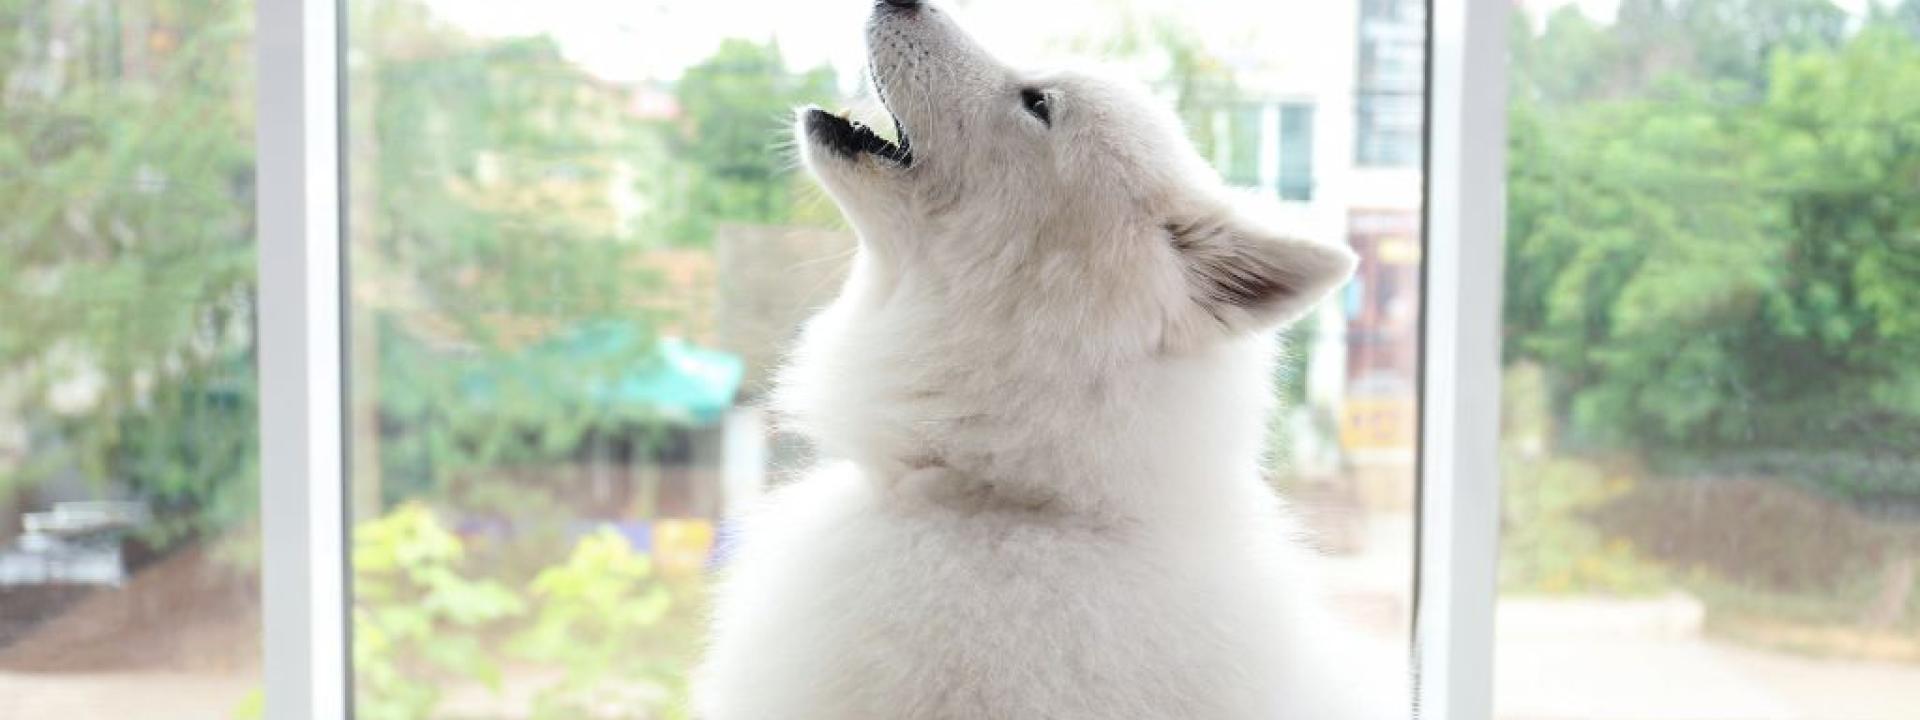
1377,423
1399,250
682,546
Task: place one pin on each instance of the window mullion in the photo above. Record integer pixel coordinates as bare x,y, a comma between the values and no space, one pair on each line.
1460,374
300,331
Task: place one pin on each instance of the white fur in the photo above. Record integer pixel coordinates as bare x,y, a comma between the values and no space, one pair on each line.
1046,498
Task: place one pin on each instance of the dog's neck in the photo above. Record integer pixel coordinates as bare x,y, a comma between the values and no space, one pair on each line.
964,423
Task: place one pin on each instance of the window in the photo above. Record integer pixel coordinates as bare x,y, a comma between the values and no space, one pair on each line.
1264,145
1709,452
540,429
574,260
1245,139
1388,91
1389,130
1296,152
129,535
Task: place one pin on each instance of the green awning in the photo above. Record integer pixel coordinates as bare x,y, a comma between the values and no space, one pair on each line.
613,369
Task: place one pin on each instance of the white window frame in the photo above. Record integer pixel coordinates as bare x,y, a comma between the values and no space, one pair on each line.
1459,453
303,338
298,195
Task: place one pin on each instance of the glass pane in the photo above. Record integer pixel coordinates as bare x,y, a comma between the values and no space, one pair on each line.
1296,152
129,560
1392,78
578,249
1712,437
1243,137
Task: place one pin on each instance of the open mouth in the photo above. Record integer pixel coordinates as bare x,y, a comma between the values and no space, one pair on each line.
850,138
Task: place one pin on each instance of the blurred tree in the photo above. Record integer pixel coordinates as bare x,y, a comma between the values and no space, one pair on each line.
1735,40
512,196
1573,60
506,205
1725,279
421,617
126,261
1840,150
499,178
735,107
1723,46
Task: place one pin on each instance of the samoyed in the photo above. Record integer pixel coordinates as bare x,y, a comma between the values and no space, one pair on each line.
1044,388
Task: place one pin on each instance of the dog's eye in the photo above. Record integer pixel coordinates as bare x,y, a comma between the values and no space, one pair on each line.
1036,103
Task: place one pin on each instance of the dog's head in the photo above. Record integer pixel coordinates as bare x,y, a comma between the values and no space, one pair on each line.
1072,200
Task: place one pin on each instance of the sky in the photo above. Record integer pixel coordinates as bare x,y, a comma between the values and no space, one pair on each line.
1603,10
640,40
634,40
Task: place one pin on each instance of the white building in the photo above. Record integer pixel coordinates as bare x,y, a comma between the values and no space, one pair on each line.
1327,115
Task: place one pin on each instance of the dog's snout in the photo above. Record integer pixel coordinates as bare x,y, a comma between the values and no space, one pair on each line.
902,4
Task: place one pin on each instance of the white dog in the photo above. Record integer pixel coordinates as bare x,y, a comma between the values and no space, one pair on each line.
1045,385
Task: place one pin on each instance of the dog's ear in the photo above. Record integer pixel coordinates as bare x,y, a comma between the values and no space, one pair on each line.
1250,278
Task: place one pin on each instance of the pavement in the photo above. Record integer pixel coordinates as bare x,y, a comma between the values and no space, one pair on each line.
1599,658
122,696
1609,659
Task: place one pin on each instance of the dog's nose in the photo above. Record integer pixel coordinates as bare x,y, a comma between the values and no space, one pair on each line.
904,4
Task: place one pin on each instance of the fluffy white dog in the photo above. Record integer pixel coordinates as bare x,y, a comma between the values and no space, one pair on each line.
1045,386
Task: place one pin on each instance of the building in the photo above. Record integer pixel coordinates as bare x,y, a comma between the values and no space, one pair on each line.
1333,129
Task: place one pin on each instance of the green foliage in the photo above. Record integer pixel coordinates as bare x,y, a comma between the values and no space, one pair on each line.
1725,42
509,197
597,612
426,618
251,707
1736,39
190,450
418,619
1712,252
479,416
512,199
1549,542
1720,279
126,181
496,176
733,106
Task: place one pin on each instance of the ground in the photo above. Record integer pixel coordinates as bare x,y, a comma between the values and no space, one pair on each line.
1558,658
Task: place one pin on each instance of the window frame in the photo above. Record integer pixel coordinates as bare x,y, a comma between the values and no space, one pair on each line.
303,341
298,199
1458,460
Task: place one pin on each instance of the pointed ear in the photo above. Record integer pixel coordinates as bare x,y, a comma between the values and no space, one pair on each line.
1251,279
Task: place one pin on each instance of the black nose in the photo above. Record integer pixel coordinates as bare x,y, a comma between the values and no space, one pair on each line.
904,4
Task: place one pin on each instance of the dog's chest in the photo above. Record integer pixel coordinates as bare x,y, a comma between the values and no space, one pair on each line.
862,611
